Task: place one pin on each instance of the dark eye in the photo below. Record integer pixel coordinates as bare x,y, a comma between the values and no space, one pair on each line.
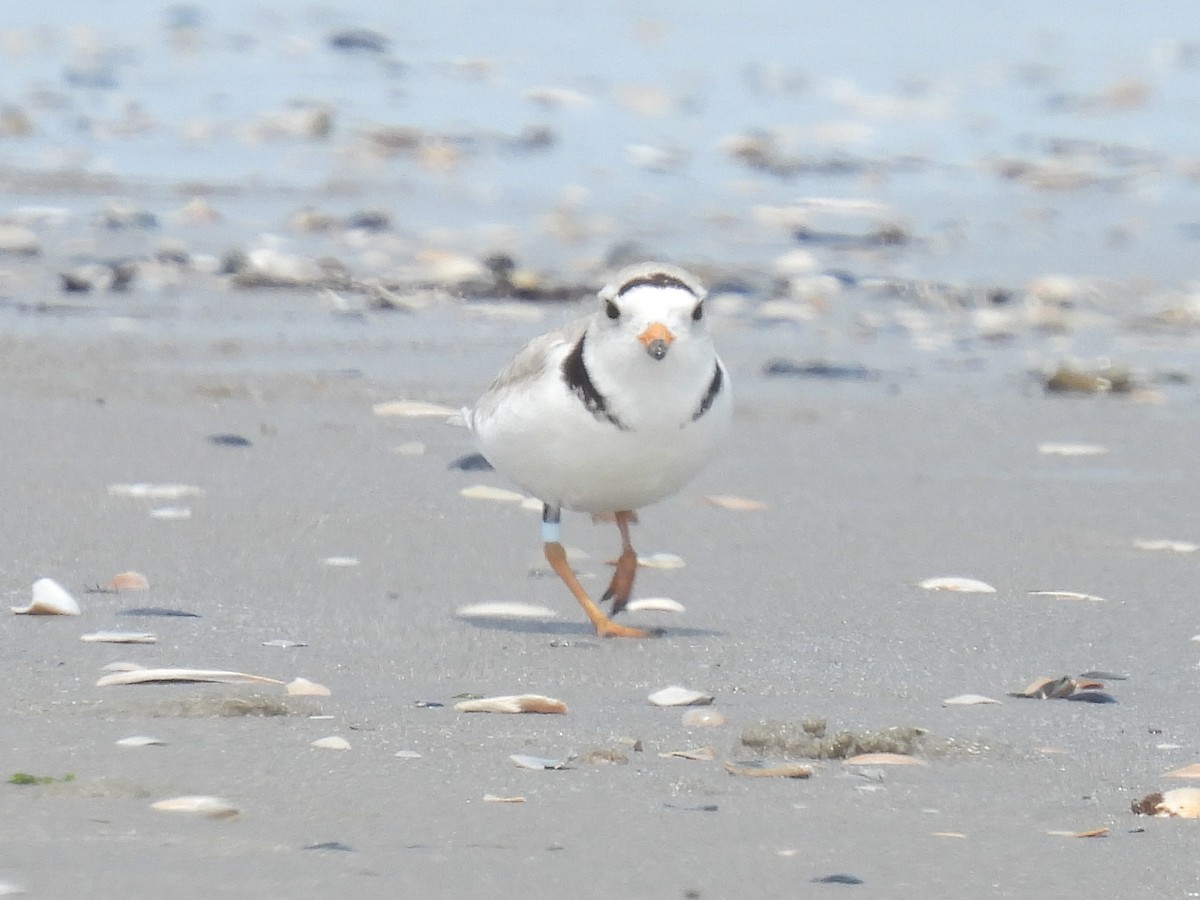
698,312
611,309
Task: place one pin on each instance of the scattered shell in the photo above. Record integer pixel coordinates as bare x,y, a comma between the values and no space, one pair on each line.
655,604
407,754
149,491
661,561
302,687
171,513
144,676
505,611
1191,771
49,599
123,667
164,611
129,581
119,637
487,492
761,770
492,798
679,696
954,583
739,504
701,717
968,700
1093,833
333,742
704,754
141,740
341,562
283,644
1052,449
1068,595
520,703
538,762
604,756
213,807
883,759
412,409
1173,546
1183,803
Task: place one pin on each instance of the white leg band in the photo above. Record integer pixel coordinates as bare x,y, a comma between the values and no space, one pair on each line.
551,532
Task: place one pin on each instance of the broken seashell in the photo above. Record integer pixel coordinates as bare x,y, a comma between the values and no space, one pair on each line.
487,492
412,409
1172,546
519,703
123,667
1183,803
505,611
702,717
1192,771
283,644
680,696
1047,688
655,604
761,770
145,676
883,759
954,583
407,754
173,513
1093,833
1066,449
341,562
539,762
49,599
129,581
119,637
141,741
604,756
661,561
145,490
492,798
302,687
704,754
1067,595
968,700
738,504
213,807
333,742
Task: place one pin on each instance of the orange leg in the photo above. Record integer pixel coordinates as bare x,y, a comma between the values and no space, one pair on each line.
605,627
621,585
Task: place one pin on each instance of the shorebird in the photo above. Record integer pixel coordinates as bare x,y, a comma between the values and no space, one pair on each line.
613,412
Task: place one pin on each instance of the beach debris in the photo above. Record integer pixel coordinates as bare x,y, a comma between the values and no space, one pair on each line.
407,754
680,696
198,804
141,740
333,742
174,676
763,770
488,492
1068,595
129,581
163,611
703,807
171,513
226,439
49,598
738,504
1082,689
1189,771
519,703
329,845
283,644
471,462
1091,833
148,491
820,368
654,604
1067,449
302,687
1106,379
410,409
539,762
956,583
883,759
703,754
1182,803
838,878
341,562
119,637
659,561
505,610
702,717
24,779
493,798
604,757
810,739
968,700
1172,546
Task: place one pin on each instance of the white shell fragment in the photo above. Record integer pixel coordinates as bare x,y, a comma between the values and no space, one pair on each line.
738,504
1066,449
49,599
505,611
119,637
341,562
302,687
413,409
333,742
145,676
655,604
1183,803
538,762
171,513
141,740
407,754
145,490
493,798
702,717
1068,595
968,700
680,696
487,492
661,561
213,807
1172,546
519,703
283,643
883,759
954,583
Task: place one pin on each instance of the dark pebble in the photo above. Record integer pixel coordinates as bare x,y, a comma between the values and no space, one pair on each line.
359,40
819,369
1093,697
330,845
707,807
472,462
428,704
229,440
839,878
158,611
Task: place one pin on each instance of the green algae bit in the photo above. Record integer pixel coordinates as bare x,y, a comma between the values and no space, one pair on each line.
26,778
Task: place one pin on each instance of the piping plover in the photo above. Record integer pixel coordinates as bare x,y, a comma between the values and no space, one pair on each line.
611,413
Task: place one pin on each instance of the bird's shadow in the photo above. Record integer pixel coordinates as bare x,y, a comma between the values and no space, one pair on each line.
575,629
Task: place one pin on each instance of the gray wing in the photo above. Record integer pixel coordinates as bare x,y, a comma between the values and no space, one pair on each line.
529,364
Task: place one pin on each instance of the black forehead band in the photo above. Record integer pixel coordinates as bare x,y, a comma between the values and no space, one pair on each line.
657,279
